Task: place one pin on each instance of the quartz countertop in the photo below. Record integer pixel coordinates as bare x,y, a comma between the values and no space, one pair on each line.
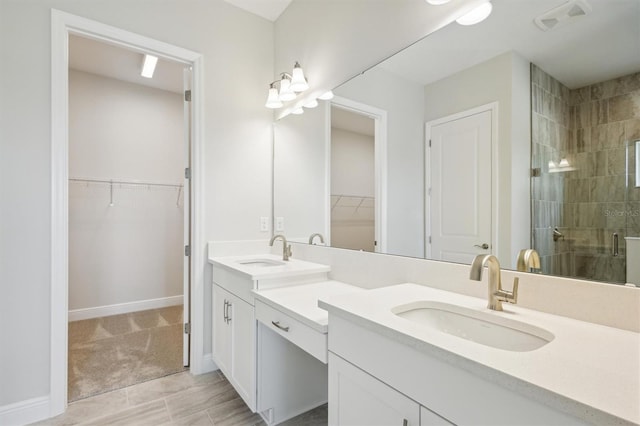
591,370
281,269
301,301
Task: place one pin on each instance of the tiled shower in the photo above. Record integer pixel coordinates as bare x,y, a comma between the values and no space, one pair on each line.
583,186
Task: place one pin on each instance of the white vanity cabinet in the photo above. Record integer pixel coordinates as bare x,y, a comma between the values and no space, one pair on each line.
234,337
253,358
359,399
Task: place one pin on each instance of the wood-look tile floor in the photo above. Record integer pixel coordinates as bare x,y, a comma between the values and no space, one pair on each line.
177,400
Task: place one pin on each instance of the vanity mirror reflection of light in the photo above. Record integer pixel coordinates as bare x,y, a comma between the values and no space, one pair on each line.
577,81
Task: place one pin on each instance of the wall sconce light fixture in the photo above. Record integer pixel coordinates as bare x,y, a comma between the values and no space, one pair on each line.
287,87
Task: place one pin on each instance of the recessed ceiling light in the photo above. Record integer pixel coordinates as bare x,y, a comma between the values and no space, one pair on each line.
149,66
476,15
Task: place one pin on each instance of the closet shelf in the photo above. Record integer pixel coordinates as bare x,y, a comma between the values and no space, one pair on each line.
126,182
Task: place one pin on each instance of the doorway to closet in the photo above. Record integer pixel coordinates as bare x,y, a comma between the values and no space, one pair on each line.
129,210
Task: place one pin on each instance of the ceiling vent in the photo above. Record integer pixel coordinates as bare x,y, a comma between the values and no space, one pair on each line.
562,14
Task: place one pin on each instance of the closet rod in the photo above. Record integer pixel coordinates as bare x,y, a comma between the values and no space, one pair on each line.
124,182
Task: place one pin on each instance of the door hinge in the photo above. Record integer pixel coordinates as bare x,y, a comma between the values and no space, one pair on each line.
187,173
187,328
429,143
187,250
187,95
429,239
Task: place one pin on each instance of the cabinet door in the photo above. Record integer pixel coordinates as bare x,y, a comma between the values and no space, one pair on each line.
429,418
243,330
358,399
221,329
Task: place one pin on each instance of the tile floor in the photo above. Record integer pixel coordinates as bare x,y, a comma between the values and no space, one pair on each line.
177,400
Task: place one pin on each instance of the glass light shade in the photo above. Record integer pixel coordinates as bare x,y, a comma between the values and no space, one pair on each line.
311,104
437,2
272,99
297,111
564,163
298,82
326,96
286,94
477,15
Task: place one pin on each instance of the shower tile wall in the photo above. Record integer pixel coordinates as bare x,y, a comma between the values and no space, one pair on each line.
592,128
551,136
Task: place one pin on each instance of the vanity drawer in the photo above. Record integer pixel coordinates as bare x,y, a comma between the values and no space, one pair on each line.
301,335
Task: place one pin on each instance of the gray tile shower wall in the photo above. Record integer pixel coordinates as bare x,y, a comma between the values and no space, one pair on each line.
593,128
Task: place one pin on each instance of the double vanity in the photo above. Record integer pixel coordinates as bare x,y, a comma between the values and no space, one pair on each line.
410,354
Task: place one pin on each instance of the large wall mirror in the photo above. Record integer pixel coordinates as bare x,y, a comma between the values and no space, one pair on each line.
485,139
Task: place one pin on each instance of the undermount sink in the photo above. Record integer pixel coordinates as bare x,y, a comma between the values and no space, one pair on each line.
261,263
480,327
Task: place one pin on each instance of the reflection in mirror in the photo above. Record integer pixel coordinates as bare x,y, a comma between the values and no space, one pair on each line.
581,142
571,120
352,180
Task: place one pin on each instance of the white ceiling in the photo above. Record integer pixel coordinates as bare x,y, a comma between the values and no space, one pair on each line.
269,9
122,64
599,46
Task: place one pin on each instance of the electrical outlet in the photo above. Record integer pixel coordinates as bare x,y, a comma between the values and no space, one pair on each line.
264,224
279,223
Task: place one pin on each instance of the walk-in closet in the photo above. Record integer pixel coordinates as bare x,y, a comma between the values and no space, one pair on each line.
128,218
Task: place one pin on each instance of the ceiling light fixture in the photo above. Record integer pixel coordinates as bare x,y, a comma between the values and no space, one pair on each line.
287,87
476,15
149,66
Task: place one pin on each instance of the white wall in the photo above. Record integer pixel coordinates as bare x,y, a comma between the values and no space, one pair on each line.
131,251
504,79
352,178
404,103
238,61
352,163
300,173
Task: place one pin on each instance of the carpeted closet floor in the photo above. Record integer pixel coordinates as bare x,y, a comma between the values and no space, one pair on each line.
117,351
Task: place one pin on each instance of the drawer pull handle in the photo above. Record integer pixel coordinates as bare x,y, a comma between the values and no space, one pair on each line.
277,324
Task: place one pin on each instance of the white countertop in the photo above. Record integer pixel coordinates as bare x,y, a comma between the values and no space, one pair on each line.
291,268
301,301
595,366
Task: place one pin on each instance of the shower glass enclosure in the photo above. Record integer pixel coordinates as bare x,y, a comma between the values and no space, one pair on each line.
584,188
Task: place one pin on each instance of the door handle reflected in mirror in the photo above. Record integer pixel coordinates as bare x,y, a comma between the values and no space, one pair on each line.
484,246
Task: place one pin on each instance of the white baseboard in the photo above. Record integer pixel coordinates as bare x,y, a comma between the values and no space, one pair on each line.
25,412
208,365
124,308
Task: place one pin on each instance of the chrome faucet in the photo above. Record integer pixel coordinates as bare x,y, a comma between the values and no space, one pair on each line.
286,249
496,294
528,258
316,235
